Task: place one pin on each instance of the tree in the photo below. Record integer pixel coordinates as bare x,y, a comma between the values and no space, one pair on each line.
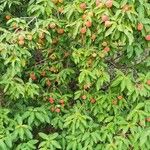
75,74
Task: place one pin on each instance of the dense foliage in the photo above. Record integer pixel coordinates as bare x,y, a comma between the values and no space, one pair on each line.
75,74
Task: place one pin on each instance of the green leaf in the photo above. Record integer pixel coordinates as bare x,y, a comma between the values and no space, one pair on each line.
110,30
43,135
56,144
31,118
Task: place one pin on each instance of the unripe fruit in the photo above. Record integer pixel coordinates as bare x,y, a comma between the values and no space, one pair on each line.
60,1
104,18
42,35
14,25
85,87
61,101
66,54
53,109
147,37
60,10
93,37
32,76
101,55
126,8
92,100
55,41
57,110
60,31
90,14
114,102
99,4
139,86
109,3
21,42
48,83
20,37
107,49
120,97
94,55
29,37
63,105
83,30
148,82
83,97
55,1
107,24
84,16
140,27
8,17
148,119
83,6
40,41
104,44
52,25
88,24
43,73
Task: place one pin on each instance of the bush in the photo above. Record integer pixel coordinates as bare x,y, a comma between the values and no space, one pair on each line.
75,75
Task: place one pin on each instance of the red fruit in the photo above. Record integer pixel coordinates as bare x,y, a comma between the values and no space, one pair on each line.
107,49
88,24
109,3
120,97
148,82
83,97
147,37
140,26
52,25
104,18
60,31
93,37
97,2
61,101
83,30
57,110
32,76
83,6
51,100
107,24
92,100
148,119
